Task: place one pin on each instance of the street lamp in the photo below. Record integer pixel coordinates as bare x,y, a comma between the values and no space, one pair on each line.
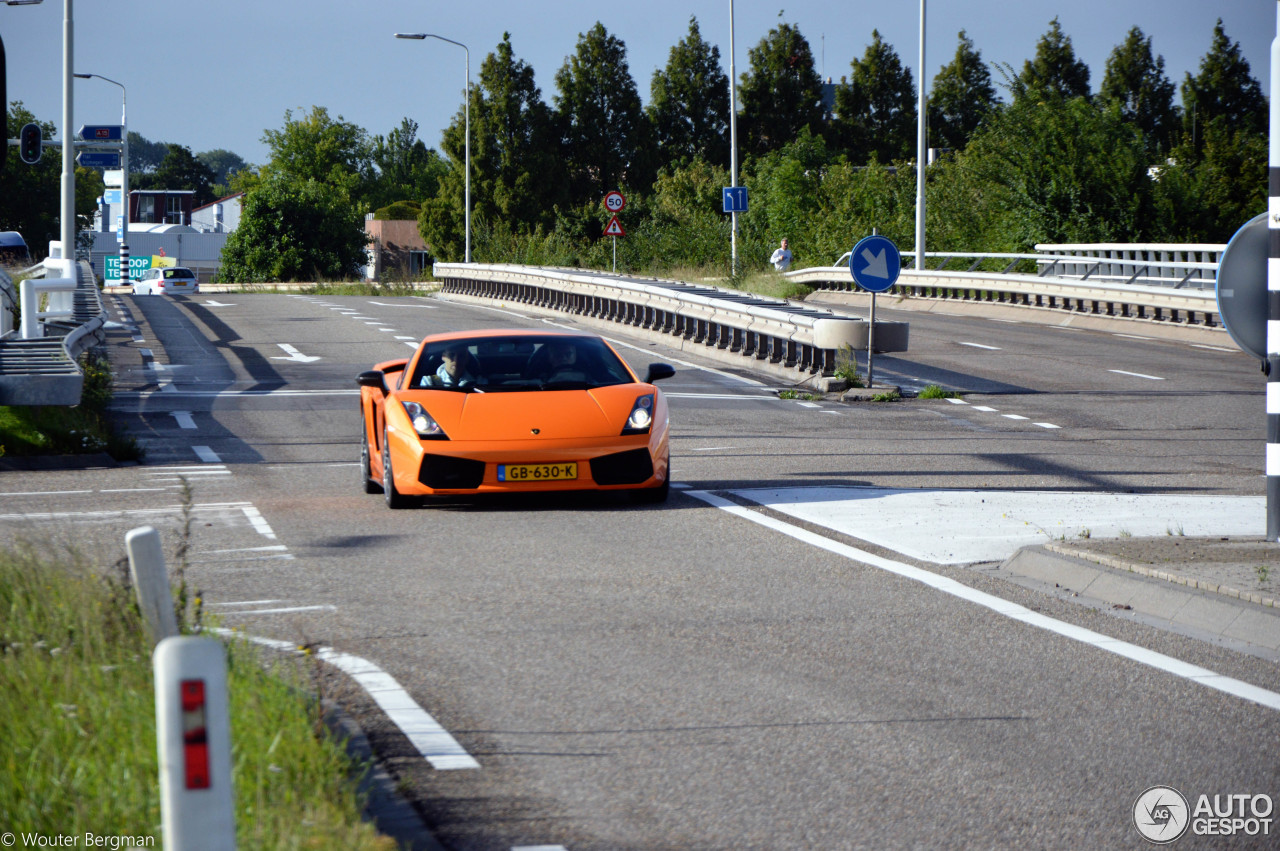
466,111
124,179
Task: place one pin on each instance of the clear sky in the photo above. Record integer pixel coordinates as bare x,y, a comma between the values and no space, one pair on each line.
217,74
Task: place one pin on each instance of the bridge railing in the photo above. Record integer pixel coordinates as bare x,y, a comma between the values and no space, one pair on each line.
779,336
1096,280
39,361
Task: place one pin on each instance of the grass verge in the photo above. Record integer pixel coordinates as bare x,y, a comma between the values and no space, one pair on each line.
85,429
77,719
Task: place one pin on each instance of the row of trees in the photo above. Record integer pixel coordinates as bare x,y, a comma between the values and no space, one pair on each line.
1051,161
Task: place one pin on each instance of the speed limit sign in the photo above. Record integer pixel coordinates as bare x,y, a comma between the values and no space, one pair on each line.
614,202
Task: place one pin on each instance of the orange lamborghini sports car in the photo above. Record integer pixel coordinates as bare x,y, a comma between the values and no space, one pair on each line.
512,411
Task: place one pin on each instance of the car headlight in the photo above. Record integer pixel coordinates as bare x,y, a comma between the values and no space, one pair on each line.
423,423
641,418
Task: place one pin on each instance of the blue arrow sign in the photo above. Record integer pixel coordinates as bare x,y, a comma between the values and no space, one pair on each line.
98,159
101,132
875,263
735,199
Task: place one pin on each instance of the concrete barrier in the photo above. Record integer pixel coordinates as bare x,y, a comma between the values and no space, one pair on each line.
789,339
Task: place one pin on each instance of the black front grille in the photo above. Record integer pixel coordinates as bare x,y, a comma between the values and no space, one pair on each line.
622,468
444,471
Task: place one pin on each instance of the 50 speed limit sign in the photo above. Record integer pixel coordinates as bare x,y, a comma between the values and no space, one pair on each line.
614,202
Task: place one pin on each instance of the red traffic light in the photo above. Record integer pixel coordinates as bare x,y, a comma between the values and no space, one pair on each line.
30,144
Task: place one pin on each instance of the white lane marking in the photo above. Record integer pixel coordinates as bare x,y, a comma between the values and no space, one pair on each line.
388,330
1143,656
41,493
146,353
294,355
1136,374
989,410
736,396
412,345
212,303
258,522
411,304
808,404
204,453
957,401
708,448
431,740
1047,425
1132,337
406,338
1214,348
231,394
979,346
134,490
184,419
271,549
283,610
243,603
1014,416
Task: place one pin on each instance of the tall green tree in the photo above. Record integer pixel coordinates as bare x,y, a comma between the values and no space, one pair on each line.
222,163
1055,68
1223,90
781,92
1061,170
689,103
1135,82
962,98
603,130
294,229
144,155
407,170
876,106
181,170
318,147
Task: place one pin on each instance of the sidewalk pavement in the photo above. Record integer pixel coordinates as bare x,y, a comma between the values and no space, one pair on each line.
1222,588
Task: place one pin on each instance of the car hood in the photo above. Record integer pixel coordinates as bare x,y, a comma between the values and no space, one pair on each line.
548,415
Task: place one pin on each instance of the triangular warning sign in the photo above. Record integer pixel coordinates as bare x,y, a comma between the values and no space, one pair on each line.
614,228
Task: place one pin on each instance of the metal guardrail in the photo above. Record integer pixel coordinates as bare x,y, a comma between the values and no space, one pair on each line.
39,363
1096,288
778,336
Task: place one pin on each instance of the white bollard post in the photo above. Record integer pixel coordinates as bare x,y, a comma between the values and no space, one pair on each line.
151,582
193,737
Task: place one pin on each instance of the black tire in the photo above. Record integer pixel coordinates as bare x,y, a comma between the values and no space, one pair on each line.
370,486
393,497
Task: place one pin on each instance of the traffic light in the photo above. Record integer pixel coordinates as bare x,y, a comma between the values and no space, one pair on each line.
29,144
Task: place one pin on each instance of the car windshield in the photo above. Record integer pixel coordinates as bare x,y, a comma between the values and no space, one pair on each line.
519,364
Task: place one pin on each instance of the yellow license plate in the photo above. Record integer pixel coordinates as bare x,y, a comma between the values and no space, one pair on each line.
537,472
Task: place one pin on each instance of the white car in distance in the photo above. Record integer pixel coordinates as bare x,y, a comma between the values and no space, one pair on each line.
167,280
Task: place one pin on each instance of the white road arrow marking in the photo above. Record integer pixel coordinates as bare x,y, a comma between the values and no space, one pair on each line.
877,266
294,354
217,304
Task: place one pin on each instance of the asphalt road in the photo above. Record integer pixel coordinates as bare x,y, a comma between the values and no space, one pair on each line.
679,676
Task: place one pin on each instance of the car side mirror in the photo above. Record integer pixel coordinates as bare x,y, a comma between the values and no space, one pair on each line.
373,378
659,371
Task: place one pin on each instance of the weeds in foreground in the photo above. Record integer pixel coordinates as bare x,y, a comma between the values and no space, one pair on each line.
1264,573
933,391
77,718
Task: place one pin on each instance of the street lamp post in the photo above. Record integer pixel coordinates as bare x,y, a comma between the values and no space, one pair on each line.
124,172
466,111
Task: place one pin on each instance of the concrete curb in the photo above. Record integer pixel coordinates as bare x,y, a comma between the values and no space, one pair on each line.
1191,582
390,813
1154,594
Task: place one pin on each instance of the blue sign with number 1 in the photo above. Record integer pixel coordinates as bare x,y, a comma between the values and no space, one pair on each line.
735,199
